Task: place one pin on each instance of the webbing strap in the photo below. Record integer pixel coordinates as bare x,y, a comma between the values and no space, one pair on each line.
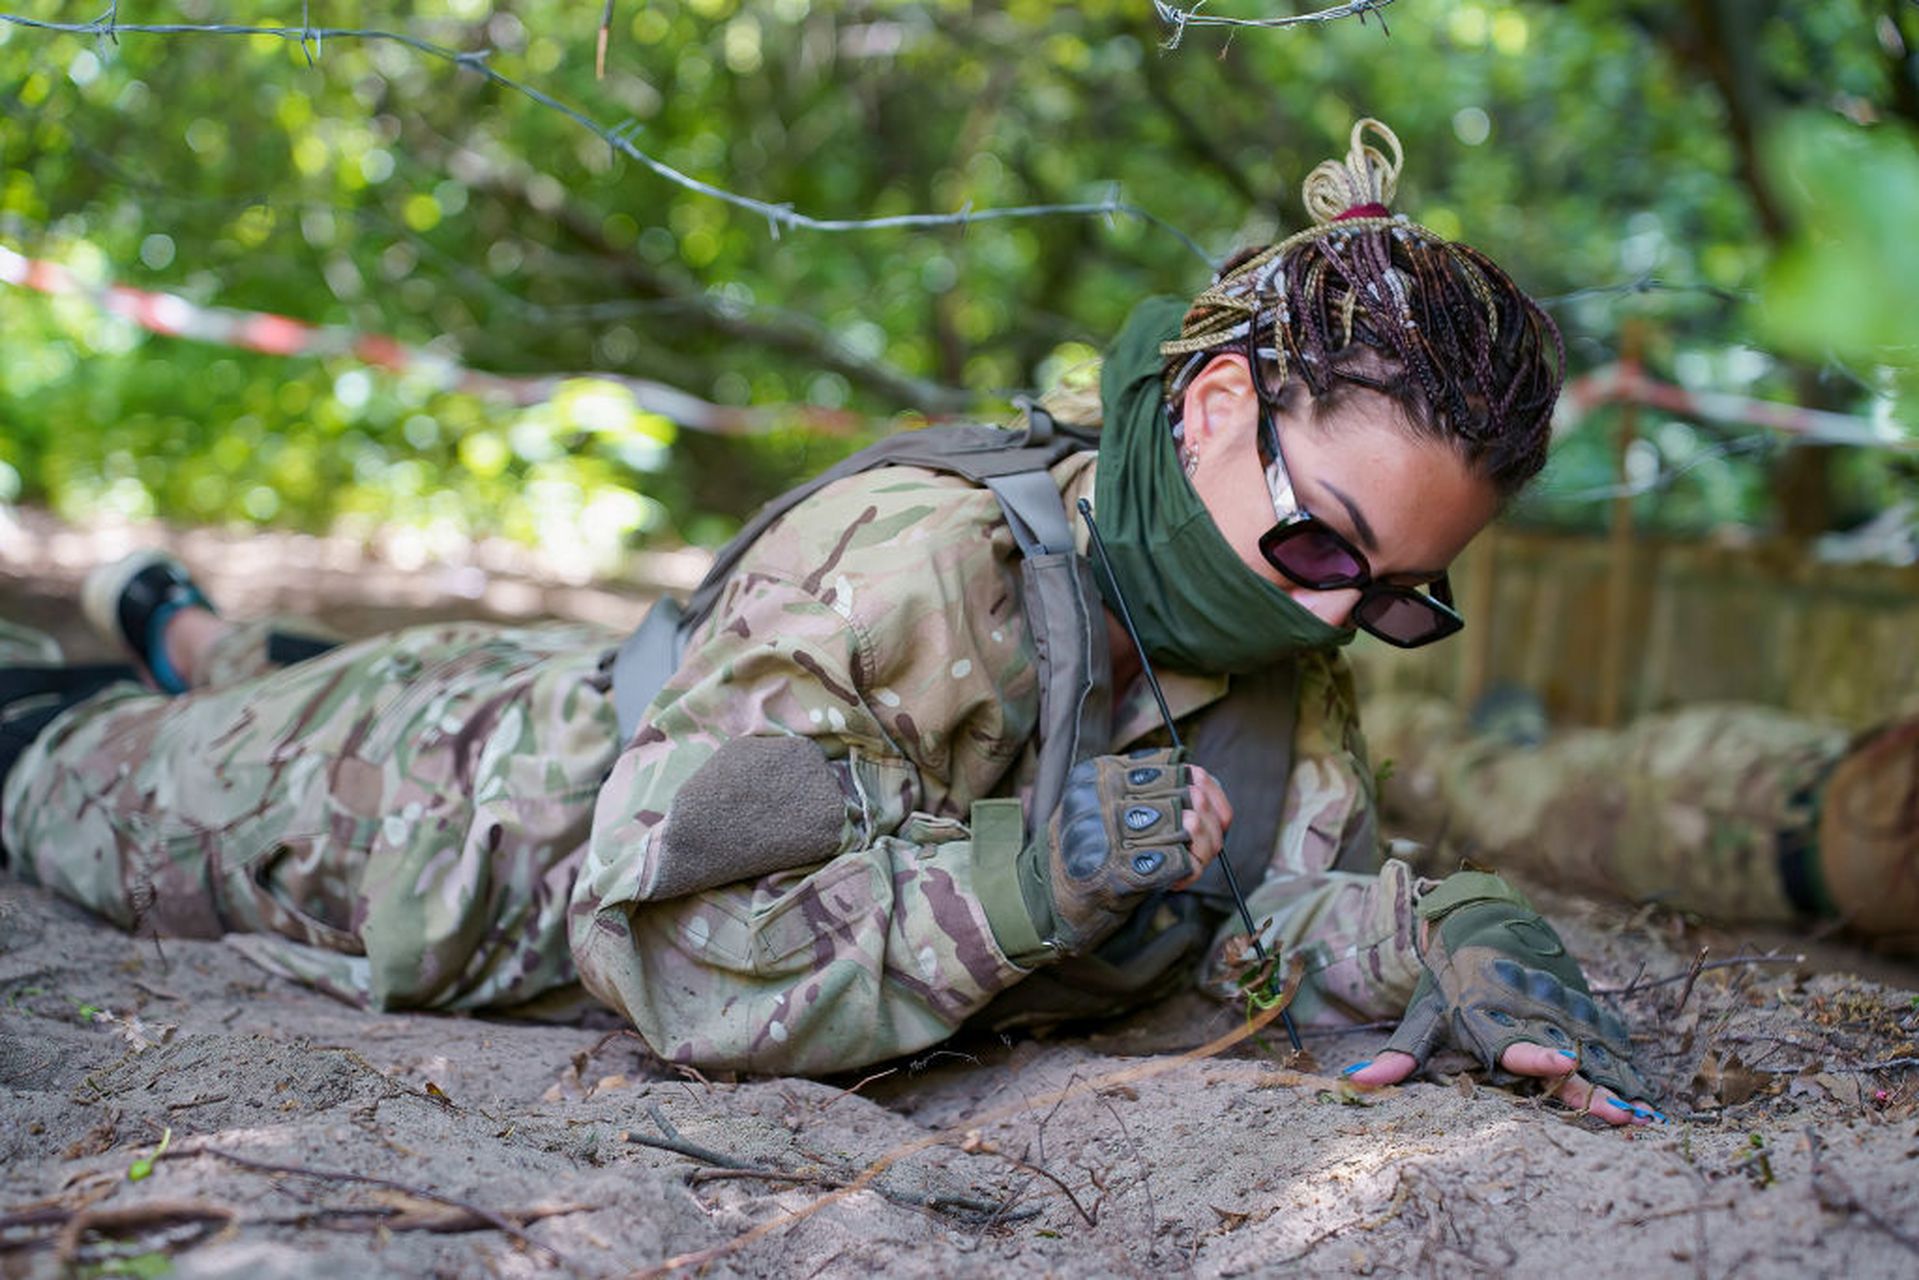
1245,741
646,660
1034,512
975,452
649,656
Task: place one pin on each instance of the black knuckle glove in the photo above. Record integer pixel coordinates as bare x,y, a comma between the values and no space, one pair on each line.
1116,837
1495,975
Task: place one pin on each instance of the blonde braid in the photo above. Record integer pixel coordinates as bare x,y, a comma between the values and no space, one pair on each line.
1365,176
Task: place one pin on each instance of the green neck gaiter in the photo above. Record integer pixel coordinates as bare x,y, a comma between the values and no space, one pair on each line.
1197,605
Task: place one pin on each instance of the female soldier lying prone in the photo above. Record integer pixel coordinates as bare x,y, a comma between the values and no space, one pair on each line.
897,769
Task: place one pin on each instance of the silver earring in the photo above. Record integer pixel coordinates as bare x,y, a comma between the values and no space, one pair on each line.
1189,461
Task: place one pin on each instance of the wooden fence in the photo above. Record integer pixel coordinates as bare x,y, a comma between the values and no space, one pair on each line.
1697,623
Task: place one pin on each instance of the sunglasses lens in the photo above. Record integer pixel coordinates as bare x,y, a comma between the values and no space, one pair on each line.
1314,558
1404,618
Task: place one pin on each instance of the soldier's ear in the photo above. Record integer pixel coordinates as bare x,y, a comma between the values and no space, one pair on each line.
1221,409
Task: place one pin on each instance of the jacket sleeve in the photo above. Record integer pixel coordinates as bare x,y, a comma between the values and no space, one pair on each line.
877,944
1327,894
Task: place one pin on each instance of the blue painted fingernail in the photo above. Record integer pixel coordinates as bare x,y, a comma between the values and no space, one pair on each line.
1614,1102
1568,1053
1356,1067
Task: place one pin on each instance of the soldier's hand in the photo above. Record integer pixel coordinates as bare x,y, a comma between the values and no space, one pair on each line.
1499,984
1208,815
1126,827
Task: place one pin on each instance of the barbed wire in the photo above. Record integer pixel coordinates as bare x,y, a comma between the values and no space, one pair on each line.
1646,284
1179,19
1666,476
779,217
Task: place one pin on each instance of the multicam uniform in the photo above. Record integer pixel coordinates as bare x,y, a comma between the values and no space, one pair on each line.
1740,813
445,818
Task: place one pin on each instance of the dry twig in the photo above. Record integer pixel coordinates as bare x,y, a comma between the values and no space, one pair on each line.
976,1145
1692,974
76,1223
488,1216
849,1092
726,1166
1145,1177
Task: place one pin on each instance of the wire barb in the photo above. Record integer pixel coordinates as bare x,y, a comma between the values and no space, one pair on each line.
1179,19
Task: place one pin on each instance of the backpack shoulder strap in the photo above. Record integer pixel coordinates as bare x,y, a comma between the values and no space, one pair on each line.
982,454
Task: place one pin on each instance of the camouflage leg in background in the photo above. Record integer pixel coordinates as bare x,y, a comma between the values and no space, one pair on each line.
407,810
1692,808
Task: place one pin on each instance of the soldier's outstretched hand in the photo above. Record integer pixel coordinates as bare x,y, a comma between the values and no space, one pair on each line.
1499,984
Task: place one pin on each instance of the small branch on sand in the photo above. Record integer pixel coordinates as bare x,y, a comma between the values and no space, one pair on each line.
191,1103
678,1145
726,1166
977,1145
1145,1177
497,1221
986,1210
1692,976
849,1092
122,1221
130,1218
1698,967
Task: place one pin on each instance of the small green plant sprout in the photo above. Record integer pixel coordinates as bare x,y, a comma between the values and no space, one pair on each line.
142,1168
1759,1162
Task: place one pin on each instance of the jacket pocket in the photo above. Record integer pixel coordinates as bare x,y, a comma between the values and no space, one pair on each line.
776,928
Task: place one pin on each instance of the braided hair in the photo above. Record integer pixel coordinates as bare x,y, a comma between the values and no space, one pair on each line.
1367,299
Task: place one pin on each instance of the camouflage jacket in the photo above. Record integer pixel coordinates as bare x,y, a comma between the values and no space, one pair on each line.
882,619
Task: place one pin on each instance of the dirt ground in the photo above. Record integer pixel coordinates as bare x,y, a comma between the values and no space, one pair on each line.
167,1108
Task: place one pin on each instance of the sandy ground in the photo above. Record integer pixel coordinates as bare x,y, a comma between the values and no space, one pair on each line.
302,1137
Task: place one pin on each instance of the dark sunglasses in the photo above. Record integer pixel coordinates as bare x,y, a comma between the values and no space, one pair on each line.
1315,556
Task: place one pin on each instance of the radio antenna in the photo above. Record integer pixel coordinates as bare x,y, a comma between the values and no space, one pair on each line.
1179,744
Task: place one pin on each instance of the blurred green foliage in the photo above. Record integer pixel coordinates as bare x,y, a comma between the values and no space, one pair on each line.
362,184
1848,281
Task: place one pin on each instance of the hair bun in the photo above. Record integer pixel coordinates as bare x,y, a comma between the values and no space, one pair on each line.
1367,176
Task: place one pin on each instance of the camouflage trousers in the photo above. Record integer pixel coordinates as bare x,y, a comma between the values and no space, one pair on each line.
1698,808
400,819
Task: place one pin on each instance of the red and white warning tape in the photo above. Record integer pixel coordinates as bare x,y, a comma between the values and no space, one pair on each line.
174,316
1623,383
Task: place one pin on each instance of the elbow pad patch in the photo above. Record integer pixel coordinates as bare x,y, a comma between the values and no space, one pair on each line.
760,805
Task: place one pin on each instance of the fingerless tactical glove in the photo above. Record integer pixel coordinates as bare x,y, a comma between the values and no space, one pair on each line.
1116,837
1496,974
